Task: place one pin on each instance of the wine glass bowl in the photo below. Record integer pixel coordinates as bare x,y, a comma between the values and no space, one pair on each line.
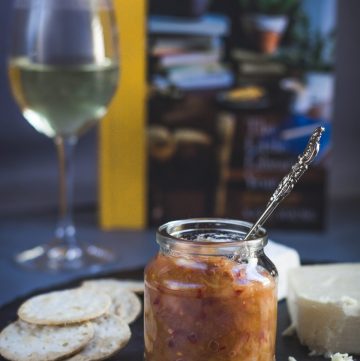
64,70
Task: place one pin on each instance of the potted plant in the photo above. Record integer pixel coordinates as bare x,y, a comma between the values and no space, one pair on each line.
266,21
311,53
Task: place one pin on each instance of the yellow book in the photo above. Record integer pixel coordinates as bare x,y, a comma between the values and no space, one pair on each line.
122,137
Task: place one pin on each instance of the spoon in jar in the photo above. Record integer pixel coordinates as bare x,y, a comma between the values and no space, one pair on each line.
288,182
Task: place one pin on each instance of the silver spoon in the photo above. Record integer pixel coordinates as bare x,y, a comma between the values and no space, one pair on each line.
289,181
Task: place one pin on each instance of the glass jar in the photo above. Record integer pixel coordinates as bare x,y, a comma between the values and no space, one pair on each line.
209,295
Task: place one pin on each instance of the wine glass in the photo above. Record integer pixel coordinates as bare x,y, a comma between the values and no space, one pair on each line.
63,70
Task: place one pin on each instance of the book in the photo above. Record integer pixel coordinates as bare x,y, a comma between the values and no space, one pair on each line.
210,25
200,77
171,45
191,58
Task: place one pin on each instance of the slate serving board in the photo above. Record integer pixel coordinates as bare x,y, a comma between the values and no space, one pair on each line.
134,351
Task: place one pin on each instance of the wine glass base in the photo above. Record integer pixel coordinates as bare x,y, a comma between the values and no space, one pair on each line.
60,257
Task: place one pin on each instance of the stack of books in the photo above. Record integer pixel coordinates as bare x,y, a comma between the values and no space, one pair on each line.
188,53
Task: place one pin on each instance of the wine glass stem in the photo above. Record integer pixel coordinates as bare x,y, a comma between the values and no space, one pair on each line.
65,232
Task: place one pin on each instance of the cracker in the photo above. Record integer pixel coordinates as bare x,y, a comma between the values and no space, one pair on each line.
64,307
21,341
111,335
106,284
126,305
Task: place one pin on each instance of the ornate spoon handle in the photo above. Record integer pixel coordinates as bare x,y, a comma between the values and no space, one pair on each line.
289,181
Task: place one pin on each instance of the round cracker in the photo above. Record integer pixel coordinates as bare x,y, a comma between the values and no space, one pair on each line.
126,305
64,307
108,284
21,341
111,335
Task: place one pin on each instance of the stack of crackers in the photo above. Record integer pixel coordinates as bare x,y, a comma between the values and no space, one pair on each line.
82,324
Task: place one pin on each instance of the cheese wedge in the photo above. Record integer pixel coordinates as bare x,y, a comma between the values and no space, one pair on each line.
284,259
324,306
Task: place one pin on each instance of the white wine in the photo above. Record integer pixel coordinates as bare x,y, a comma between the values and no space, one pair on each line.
62,100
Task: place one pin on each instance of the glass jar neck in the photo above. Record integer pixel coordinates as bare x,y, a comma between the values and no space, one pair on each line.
210,237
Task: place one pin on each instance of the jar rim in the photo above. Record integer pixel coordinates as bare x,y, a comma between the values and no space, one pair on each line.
172,234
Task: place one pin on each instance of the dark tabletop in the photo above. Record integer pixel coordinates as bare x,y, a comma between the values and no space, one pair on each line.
340,243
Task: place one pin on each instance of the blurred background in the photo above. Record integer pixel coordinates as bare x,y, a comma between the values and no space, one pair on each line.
28,180
236,95
235,89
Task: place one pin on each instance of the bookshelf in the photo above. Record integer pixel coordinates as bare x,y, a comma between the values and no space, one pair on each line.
199,126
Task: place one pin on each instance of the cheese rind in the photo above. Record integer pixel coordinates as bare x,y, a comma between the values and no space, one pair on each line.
324,305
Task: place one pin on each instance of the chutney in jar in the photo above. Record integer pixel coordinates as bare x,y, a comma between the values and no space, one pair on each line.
203,304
